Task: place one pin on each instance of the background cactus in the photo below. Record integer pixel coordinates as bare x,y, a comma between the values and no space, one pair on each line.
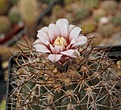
4,5
106,30
97,14
87,84
81,13
14,15
90,3
4,24
28,9
109,5
13,2
88,26
116,20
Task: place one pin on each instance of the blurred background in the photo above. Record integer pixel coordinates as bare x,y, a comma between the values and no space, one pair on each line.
20,20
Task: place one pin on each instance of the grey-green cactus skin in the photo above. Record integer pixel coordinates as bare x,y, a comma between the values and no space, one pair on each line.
87,84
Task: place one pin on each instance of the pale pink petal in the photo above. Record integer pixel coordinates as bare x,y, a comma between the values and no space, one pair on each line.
53,32
71,27
68,52
51,36
38,41
44,29
54,57
71,53
56,49
63,27
55,29
43,37
74,33
80,40
41,48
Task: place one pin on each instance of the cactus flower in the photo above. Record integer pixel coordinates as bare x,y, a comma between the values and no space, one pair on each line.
59,41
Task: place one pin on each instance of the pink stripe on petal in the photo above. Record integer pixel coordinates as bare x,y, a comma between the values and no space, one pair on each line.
80,40
74,33
63,27
41,48
70,45
54,57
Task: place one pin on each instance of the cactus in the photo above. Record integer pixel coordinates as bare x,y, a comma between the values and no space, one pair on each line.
4,5
4,24
81,13
86,81
88,84
88,26
69,1
109,5
14,15
90,3
13,2
106,30
97,14
28,9
116,20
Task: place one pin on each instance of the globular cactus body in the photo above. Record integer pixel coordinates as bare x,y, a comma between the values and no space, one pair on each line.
116,20
4,5
90,3
82,13
4,24
14,15
86,85
28,10
106,30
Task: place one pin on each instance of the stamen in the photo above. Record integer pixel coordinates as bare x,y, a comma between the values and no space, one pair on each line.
60,41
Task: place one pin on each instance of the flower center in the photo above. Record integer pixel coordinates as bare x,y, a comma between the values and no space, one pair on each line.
60,41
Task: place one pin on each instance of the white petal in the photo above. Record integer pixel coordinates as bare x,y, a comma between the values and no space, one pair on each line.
41,48
54,57
63,27
80,40
74,33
